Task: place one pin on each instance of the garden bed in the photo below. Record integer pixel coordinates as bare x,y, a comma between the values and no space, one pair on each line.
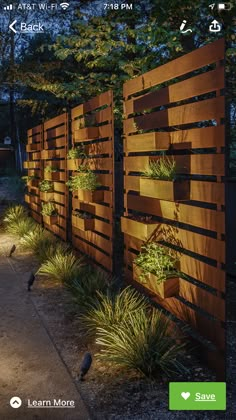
51,220
84,224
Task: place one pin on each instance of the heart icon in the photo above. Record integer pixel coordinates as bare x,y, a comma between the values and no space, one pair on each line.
185,395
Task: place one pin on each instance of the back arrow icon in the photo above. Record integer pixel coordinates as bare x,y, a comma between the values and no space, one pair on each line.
11,26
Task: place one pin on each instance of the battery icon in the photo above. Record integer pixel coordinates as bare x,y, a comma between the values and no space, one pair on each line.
225,6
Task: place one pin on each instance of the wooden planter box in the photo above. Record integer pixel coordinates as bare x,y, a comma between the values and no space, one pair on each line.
88,133
32,147
46,196
82,224
52,176
166,289
50,220
73,164
33,183
96,196
138,229
50,154
178,190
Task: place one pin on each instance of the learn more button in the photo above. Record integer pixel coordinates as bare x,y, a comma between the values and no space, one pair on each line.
197,396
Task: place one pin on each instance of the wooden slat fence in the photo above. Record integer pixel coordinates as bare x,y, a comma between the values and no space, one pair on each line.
92,127
178,110
35,169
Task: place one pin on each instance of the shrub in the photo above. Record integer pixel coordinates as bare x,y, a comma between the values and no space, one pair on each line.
83,181
141,343
163,168
77,152
85,288
113,310
62,267
14,214
158,260
21,226
46,186
48,209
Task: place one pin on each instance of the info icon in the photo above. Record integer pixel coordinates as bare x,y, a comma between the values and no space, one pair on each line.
15,402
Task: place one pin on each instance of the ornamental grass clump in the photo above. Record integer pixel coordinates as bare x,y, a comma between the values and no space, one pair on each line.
113,310
158,260
37,240
14,214
48,209
86,287
164,169
63,267
84,181
17,222
142,343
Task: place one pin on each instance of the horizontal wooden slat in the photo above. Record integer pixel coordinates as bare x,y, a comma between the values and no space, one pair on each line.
208,109
205,273
94,103
55,132
203,299
53,122
191,215
93,253
59,142
97,209
205,191
97,118
188,88
104,131
189,164
181,139
191,241
208,54
34,130
94,239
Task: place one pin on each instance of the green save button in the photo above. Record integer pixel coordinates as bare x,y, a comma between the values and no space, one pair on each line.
197,396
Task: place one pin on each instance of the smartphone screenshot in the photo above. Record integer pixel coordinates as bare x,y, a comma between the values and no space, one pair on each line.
117,209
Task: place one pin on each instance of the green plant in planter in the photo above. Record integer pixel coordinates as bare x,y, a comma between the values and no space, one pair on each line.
163,168
46,186
28,178
50,169
83,214
48,209
157,260
84,181
77,152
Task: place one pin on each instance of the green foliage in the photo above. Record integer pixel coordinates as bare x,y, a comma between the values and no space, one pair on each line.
28,178
85,289
48,209
21,226
142,343
50,169
84,181
83,214
77,152
158,260
163,168
113,310
62,266
37,240
14,214
46,186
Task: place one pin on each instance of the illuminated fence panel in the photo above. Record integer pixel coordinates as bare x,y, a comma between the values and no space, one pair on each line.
93,135
53,154
177,110
34,168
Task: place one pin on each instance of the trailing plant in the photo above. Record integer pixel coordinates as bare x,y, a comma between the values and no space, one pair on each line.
83,181
158,260
48,209
46,186
28,178
77,152
114,309
142,342
164,168
50,169
62,266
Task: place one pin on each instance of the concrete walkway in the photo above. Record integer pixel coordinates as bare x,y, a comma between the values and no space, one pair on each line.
30,367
